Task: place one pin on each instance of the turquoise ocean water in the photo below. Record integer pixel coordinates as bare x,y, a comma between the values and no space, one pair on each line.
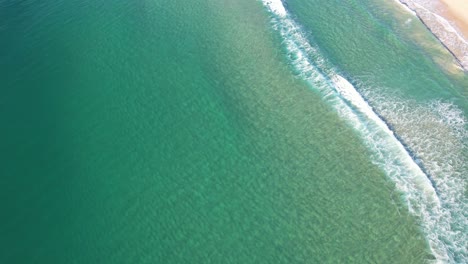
301,131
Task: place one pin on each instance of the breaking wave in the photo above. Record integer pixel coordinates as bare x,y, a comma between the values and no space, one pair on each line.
424,159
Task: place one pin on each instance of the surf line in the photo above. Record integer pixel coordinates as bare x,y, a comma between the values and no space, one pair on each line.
388,151
342,87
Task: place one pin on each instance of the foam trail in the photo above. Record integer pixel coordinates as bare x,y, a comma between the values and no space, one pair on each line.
388,152
276,7
406,8
435,131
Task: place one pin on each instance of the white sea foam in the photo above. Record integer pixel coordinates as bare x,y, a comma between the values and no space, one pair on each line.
406,7
442,21
438,210
276,7
448,27
436,134
428,12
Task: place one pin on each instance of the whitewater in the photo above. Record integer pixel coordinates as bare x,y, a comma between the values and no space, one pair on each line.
432,190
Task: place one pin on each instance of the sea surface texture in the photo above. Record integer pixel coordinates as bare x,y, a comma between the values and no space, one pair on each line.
218,131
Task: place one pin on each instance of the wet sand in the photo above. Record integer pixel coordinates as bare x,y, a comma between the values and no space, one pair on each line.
448,21
456,11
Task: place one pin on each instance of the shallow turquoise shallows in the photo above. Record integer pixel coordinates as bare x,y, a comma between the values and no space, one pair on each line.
220,131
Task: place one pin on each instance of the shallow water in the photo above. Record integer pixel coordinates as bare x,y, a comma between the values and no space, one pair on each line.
423,105
183,132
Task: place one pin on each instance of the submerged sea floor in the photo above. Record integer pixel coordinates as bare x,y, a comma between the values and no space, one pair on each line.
420,105
226,132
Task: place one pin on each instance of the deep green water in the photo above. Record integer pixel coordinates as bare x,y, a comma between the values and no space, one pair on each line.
179,132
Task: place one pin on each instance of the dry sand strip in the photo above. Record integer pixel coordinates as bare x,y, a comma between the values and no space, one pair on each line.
448,21
456,11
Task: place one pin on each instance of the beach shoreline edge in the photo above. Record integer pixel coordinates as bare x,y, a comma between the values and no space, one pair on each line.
443,31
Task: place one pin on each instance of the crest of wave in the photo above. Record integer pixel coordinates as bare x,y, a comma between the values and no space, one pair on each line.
441,214
435,132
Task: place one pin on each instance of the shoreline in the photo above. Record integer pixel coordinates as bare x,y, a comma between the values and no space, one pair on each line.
445,21
456,11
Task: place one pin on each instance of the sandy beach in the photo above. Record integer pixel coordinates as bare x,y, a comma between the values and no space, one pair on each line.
448,21
456,11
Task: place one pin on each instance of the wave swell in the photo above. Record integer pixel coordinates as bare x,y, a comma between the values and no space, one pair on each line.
430,199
